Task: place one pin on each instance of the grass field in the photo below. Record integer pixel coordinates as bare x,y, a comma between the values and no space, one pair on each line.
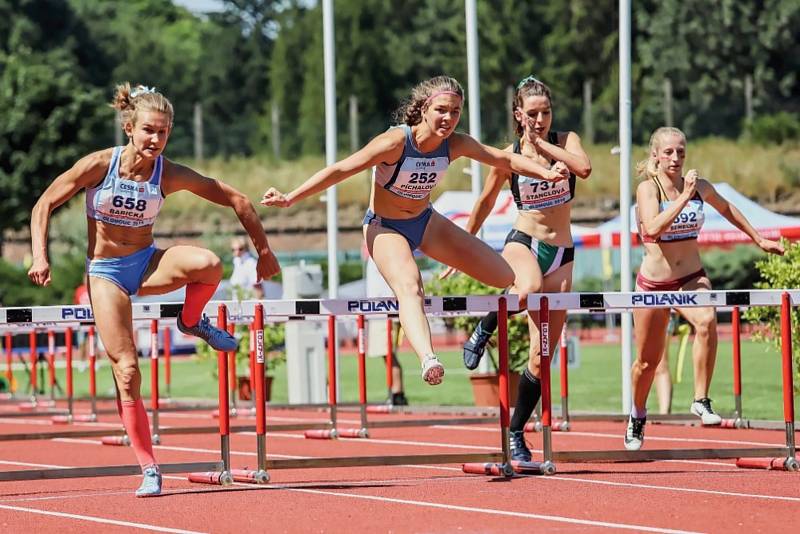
594,386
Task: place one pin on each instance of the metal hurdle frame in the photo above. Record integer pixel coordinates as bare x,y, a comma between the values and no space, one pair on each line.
35,317
330,309
627,301
563,425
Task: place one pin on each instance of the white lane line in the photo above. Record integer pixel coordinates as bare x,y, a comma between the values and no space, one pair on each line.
493,511
41,422
176,448
26,464
103,520
614,436
385,441
674,488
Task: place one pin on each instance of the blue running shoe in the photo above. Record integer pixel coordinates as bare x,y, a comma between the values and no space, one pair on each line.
475,347
151,483
218,339
519,449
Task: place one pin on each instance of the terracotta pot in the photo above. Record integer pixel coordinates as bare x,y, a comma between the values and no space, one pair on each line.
486,388
246,390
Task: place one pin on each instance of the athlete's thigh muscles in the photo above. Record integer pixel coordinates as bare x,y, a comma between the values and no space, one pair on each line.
111,307
527,274
698,315
447,243
392,256
170,268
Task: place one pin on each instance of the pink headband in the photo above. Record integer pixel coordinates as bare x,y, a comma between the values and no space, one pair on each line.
446,92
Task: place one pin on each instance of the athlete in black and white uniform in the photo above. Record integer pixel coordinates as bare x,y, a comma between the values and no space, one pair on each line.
539,248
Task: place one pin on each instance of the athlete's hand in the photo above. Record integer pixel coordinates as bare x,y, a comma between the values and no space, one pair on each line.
559,171
772,247
273,197
447,272
39,273
690,184
267,265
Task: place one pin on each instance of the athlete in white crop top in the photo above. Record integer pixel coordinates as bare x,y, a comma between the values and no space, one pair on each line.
408,160
125,189
664,195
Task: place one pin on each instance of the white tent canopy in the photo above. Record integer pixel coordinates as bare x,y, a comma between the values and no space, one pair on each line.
717,230
457,206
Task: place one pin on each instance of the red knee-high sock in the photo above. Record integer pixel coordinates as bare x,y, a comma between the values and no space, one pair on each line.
134,417
197,295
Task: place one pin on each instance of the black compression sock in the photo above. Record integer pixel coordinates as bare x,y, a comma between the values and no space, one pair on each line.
530,389
489,322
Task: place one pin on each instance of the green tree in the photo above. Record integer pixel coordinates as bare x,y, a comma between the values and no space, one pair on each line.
50,111
779,272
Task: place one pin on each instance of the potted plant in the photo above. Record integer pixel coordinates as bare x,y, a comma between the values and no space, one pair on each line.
274,357
485,386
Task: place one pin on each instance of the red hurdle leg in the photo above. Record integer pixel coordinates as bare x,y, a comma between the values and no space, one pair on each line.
33,361
224,477
168,361
362,375
260,476
51,363
544,348
9,372
232,373
154,404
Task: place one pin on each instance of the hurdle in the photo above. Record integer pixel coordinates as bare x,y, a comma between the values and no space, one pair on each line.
33,317
332,308
627,301
737,420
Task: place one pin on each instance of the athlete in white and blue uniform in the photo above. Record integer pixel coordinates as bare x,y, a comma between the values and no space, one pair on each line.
539,247
127,204
669,208
409,162
125,190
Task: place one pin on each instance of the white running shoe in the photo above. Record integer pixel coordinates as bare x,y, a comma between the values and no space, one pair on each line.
432,370
702,409
634,434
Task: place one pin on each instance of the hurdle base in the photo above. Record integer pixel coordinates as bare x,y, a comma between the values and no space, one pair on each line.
380,408
734,423
61,419
770,464
330,433
116,441
85,418
250,477
557,426
504,470
214,478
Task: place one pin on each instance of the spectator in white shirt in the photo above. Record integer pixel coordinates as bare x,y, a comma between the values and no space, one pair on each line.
244,279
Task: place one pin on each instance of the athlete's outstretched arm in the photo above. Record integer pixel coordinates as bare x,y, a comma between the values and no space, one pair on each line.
464,145
182,178
86,172
387,147
573,155
486,200
737,218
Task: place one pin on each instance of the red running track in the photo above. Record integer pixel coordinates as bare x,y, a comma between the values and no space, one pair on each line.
665,496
